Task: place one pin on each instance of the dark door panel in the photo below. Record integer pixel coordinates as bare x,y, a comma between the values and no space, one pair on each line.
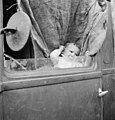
109,99
67,101
1,110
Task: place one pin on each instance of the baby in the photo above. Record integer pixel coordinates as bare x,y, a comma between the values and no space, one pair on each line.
67,57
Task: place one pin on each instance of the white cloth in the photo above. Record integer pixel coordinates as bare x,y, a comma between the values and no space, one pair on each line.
63,63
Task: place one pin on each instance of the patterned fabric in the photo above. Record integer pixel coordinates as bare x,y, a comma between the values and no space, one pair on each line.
95,31
58,21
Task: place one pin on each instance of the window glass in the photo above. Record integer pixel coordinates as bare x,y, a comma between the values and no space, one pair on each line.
32,34
27,64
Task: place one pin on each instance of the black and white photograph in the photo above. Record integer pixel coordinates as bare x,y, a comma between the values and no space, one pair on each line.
57,59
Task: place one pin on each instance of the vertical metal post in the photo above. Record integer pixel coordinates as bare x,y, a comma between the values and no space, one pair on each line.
1,59
1,41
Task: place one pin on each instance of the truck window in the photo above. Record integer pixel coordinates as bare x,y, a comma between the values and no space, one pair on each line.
33,29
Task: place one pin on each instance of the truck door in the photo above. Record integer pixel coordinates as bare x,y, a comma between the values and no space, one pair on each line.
61,94
48,95
108,71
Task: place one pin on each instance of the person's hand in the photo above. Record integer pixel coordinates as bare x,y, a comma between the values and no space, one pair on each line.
61,47
87,59
54,55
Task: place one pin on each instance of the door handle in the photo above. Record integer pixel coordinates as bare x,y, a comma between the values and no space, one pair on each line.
102,93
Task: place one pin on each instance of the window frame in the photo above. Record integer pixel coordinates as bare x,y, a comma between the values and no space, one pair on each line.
12,75
52,71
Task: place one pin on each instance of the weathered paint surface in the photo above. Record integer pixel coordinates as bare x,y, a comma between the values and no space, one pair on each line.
75,100
1,60
109,99
108,79
1,110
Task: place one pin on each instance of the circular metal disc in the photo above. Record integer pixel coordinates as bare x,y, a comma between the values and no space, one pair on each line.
21,22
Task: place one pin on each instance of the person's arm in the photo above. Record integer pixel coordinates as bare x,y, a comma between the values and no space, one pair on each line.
87,59
54,55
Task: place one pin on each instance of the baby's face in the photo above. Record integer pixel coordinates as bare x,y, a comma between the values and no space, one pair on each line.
71,51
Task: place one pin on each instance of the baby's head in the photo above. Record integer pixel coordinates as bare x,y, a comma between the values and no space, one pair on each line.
71,50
